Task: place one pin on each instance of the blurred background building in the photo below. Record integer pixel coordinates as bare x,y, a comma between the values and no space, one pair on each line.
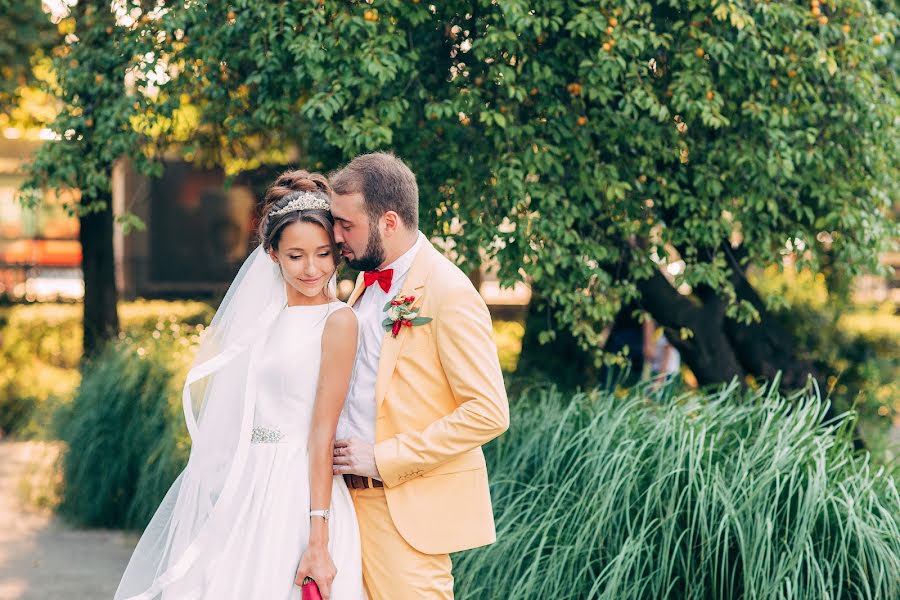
40,255
197,232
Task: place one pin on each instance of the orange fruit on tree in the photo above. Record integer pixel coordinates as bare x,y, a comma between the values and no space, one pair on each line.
877,39
845,28
700,52
774,83
816,11
710,95
823,20
574,88
613,21
582,120
607,46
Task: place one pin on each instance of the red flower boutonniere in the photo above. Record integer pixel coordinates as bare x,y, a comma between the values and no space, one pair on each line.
402,314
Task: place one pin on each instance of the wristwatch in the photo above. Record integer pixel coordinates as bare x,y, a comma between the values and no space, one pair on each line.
320,513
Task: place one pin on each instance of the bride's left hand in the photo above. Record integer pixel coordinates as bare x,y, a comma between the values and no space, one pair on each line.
316,564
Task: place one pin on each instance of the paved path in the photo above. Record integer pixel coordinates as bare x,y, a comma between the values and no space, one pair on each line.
42,558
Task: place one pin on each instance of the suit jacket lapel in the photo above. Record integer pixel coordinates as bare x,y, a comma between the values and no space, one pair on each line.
391,346
357,291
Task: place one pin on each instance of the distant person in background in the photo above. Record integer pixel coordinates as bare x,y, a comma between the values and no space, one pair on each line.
627,332
661,356
650,355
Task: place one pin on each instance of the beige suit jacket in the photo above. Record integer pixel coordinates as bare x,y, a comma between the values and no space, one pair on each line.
440,396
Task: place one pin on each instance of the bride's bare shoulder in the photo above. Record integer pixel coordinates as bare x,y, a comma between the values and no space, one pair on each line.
342,320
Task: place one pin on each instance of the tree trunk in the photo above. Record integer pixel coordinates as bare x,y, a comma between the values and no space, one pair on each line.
765,347
101,318
708,352
718,350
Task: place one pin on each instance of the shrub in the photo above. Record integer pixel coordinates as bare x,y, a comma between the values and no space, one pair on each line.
40,352
739,494
38,360
125,431
855,345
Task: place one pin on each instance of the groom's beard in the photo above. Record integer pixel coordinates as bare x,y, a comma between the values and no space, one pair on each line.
373,257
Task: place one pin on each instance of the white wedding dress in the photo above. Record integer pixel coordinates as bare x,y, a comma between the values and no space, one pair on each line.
235,523
270,519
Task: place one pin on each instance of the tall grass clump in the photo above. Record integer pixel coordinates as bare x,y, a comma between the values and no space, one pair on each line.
125,434
738,494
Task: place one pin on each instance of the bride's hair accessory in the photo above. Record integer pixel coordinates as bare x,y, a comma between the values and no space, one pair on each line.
302,201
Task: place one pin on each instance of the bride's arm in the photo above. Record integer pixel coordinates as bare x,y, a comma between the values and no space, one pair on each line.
338,353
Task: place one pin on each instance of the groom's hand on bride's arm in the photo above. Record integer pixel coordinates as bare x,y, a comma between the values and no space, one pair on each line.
355,457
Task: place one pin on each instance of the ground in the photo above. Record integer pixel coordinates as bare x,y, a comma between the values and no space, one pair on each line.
42,558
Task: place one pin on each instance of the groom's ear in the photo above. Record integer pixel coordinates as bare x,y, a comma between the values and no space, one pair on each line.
392,222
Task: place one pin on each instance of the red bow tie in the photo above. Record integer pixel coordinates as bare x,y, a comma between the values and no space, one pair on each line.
382,277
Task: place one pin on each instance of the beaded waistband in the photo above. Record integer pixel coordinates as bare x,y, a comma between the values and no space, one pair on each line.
265,435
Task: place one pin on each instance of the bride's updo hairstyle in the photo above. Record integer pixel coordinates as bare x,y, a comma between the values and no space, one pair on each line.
290,185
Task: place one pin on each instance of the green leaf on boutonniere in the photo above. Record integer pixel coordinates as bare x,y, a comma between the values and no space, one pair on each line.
387,306
421,320
387,323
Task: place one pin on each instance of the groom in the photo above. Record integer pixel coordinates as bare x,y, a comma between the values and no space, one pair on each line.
424,397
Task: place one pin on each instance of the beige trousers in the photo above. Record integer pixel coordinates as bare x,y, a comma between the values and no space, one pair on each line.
392,569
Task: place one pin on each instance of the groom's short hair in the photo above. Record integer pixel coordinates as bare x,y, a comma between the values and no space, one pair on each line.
385,182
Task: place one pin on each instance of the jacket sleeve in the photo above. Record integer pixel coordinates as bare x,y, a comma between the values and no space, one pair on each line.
468,356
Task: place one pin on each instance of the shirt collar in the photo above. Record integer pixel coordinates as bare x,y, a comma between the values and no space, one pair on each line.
402,265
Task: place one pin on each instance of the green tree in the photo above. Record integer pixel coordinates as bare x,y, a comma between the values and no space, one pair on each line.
105,92
580,145
583,144
30,35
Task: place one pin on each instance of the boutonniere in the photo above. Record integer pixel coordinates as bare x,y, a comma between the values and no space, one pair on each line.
402,314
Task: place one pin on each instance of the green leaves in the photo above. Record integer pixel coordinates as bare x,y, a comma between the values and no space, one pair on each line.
579,147
388,323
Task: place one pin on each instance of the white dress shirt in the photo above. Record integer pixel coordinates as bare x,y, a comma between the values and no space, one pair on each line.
358,417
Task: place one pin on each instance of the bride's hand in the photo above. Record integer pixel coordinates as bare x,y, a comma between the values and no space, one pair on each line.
316,564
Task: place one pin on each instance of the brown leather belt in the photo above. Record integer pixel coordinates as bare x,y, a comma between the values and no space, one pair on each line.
358,482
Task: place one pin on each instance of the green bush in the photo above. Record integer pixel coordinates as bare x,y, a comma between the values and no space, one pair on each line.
737,495
124,430
40,352
856,346
38,360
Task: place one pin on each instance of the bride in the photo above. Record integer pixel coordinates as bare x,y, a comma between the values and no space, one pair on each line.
257,510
